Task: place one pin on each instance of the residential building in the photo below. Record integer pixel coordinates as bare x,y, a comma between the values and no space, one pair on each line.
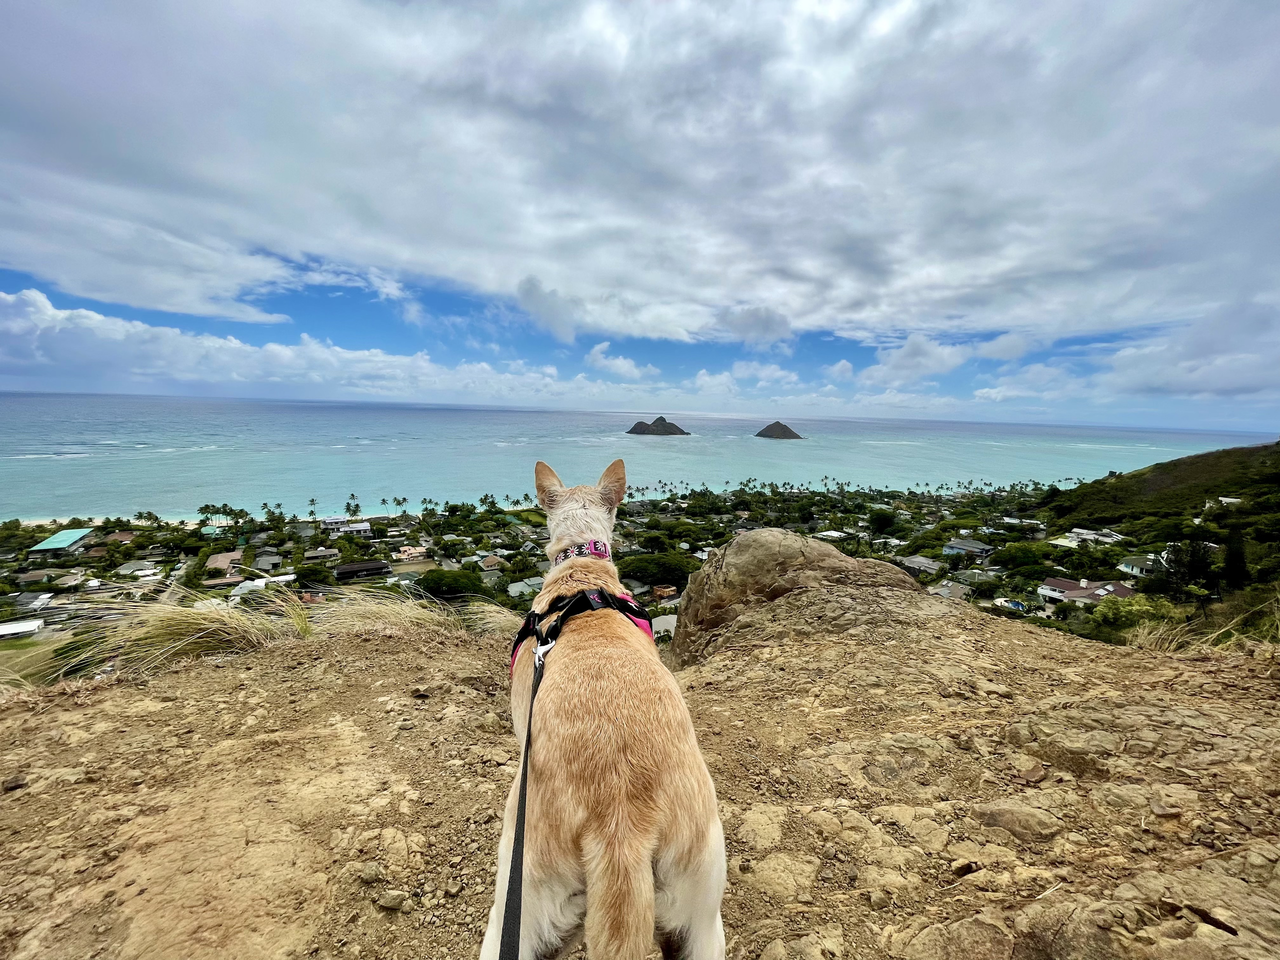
360,528
325,555
120,536
333,523
362,569
1060,590
31,577
224,561
1141,565
493,563
64,541
137,568
922,566
950,589
974,577
410,553
968,548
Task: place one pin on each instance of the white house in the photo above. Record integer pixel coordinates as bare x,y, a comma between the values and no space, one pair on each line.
1141,565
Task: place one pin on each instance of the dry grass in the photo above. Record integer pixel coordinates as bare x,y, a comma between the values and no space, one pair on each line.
488,618
1228,630
366,611
147,633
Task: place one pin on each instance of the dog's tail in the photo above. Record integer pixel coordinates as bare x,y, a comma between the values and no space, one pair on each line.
619,924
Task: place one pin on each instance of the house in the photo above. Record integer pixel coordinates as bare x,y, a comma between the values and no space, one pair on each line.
493,563
664,591
360,529
31,601
523,587
136,568
832,535
70,580
1141,565
635,587
29,577
922,566
325,555
120,536
950,589
1080,535
333,523
64,541
1060,590
974,577
968,548
249,586
218,583
362,569
410,553
224,561
26,628
268,563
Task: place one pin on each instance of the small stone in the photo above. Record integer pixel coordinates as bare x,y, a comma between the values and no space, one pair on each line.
372,873
15,782
879,899
776,950
419,693
392,899
405,724
453,887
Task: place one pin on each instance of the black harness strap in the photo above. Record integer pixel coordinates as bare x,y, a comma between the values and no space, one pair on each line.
585,602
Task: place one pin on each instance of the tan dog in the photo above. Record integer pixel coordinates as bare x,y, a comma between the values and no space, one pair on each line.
622,830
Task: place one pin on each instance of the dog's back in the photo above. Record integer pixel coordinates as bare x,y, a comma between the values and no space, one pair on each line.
622,833
618,790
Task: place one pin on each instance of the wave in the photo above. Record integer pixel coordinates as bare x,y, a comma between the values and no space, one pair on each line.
46,456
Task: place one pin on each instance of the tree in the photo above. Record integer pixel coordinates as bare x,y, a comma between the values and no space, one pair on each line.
881,521
452,584
1235,570
313,573
673,568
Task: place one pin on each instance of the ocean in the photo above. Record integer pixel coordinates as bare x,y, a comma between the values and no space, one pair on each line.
92,456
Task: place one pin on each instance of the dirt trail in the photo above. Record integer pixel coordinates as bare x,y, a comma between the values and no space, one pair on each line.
900,776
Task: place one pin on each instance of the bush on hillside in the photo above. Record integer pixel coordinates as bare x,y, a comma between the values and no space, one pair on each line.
673,568
451,584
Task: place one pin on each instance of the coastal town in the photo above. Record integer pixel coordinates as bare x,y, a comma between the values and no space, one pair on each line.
1013,551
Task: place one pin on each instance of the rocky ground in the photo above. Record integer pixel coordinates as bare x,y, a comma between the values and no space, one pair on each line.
900,776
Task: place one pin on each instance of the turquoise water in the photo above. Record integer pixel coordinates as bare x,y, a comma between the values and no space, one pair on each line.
84,455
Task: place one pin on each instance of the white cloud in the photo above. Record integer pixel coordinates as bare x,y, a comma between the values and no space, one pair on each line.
623,367
640,170
917,358
713,384
840,370
763,373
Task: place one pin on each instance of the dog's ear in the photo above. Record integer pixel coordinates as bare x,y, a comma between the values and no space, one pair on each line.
613,483
547,484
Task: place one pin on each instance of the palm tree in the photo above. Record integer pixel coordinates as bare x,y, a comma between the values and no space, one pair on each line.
312,504
384,503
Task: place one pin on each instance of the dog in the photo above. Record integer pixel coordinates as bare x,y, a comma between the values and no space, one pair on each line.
623,836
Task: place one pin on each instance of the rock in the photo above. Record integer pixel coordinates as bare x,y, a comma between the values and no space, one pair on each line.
778,431
825,943
761,826
1024,822
932,836
762,565
405,724
827,823
419,693
784,875
15,782
452,887
372,872
660,427
977,938
776,950
392,899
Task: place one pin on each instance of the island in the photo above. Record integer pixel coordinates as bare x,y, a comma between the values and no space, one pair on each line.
661,427
779,431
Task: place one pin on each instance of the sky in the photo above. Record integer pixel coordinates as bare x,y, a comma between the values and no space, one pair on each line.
1063,211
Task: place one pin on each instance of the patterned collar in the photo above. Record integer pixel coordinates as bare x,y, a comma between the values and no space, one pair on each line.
592,548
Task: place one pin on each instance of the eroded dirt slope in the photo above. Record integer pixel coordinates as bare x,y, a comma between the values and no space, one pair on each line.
900,776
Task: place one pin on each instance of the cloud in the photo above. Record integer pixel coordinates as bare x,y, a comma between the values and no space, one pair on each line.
917,358
840,370
623,367
763,373
757,326
713,384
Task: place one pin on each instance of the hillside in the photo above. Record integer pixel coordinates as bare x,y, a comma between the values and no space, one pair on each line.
1175,488
900,776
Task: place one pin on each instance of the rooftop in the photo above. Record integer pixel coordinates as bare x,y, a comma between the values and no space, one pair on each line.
63,539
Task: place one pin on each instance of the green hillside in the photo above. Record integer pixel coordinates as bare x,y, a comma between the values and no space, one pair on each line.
1166,503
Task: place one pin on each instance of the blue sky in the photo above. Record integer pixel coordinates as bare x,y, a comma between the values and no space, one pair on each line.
911,208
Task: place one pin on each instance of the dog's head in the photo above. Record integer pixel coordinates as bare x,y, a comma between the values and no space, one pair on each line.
578,514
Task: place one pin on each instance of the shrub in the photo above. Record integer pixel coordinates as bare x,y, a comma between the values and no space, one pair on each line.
451,584
673,568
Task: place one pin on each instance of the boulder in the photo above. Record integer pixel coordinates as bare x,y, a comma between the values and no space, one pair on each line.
763,565
1024,822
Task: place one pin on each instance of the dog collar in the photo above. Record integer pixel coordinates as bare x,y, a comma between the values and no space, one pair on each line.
592,548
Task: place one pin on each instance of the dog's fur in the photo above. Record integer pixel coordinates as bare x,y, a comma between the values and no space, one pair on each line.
622,832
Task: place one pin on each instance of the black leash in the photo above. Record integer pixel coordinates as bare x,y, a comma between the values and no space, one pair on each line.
585,602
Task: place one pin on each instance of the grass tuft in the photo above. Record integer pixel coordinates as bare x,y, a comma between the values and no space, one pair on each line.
142,634
370,611
488,618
